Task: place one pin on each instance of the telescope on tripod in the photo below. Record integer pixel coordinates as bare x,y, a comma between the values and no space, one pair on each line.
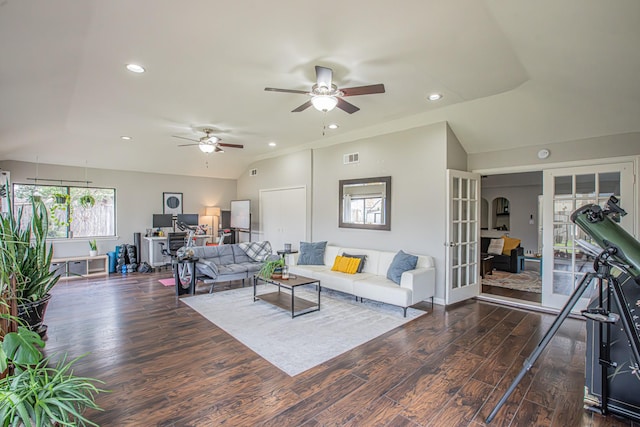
616,265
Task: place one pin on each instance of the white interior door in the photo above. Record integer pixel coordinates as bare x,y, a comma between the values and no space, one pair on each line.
283,216
462,231
565,190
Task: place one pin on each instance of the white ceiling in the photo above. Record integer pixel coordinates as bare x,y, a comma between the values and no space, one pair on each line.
513,73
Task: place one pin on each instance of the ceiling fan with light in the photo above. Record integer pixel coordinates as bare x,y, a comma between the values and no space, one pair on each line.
325,95
208,143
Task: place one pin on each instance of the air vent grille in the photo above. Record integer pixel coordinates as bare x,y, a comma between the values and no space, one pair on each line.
351,158
253,172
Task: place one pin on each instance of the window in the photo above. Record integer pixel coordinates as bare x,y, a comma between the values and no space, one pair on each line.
365,209
73,211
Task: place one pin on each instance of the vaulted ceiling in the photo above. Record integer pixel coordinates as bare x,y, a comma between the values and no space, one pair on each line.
512,74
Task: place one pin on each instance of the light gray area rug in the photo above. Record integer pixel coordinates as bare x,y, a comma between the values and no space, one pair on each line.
295,345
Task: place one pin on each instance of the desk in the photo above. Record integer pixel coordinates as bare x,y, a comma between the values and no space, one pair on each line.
154,255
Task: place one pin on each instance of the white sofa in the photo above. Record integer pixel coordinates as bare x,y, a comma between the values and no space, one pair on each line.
415,285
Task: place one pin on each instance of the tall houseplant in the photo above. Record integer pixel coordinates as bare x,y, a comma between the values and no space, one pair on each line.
34,393
24,253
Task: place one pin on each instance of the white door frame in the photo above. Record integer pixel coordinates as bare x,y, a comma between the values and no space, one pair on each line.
627,194
462,256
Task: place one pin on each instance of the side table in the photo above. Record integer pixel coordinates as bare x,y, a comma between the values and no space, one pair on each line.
283,253
486,265
191,262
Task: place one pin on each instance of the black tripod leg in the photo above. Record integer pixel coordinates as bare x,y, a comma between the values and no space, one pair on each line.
582,286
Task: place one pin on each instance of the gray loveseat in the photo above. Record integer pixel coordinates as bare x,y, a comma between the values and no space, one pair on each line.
225,263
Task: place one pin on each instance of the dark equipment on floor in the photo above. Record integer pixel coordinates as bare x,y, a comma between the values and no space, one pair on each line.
617,270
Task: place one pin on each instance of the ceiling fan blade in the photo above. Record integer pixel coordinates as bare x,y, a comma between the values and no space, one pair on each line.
187,145
302,107
273,89
346,106
224,144
218,150
324,76
363,90
188,139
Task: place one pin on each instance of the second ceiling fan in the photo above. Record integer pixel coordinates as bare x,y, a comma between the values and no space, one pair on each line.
209,143
325,95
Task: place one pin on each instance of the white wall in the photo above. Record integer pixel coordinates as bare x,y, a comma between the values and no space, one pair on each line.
416,159
523,202
138,197
290,170
522,191
627,144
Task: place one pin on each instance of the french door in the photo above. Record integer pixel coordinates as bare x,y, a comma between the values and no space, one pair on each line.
462,236
565,190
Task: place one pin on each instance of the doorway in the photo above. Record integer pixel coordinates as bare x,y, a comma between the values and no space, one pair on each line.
540,204
510,207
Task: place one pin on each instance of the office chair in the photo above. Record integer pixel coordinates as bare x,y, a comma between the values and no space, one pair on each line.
174,242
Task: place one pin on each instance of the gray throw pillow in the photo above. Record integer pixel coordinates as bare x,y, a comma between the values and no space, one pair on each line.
363,258
312,253
401,262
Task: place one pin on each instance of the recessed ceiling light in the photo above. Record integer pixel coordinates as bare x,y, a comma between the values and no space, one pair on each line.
135,68
272,144
333,126
125,137
435,97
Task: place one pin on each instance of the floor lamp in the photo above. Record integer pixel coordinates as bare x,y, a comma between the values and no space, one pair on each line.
214,212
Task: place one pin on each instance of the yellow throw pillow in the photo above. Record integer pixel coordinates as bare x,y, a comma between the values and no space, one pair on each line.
509,244
345,264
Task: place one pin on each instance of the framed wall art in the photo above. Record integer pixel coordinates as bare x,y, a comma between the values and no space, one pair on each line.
172,203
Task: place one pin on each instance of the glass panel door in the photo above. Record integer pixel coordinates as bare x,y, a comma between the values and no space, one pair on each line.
463,229
565,190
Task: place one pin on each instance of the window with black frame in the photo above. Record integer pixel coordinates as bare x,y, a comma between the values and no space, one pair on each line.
73,211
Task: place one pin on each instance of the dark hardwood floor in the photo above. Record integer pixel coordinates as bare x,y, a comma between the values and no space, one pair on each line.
167,366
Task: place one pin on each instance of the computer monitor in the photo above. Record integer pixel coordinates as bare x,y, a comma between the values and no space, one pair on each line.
162,220
189,219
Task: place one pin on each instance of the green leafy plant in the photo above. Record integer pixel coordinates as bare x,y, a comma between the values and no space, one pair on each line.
93,245
61,209
87,201
270,266
32,393
20,348
40,395
25,254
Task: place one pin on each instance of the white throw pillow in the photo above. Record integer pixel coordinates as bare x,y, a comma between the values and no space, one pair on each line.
495,247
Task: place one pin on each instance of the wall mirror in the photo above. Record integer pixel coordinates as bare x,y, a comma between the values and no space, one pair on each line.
365,203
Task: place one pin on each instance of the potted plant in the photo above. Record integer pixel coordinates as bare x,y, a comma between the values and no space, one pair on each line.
61,209
24,253
93,248
270,268
61,198
87,201
33,393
